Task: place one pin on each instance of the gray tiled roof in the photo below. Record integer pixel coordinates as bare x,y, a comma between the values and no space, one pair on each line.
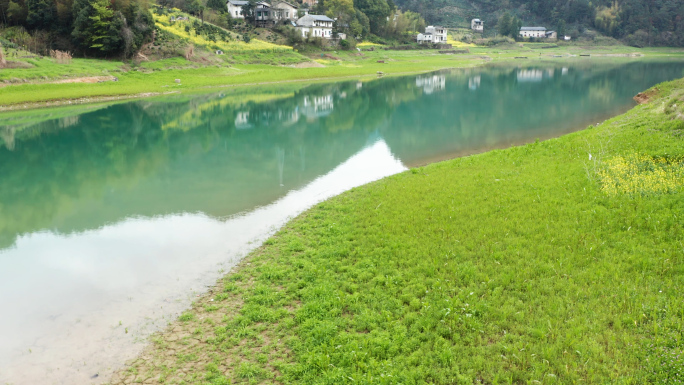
321,17
533,29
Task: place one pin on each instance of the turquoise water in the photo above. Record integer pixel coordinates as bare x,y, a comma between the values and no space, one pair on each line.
118,214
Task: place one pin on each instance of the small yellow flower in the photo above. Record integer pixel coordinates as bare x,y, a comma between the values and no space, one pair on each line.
642,175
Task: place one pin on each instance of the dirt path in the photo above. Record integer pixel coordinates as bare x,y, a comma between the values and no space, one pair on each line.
86,79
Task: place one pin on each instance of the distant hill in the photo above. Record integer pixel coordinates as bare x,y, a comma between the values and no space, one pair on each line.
636,22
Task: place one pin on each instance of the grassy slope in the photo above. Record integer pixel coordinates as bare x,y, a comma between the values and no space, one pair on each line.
511,266
134,82
158,77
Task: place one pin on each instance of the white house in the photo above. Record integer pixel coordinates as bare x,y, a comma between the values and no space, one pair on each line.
282,10
235,8
264,13
433,34
315,26
477,25
537,32
424,38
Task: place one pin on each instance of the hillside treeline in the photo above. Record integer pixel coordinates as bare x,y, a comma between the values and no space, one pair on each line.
636,22
87,27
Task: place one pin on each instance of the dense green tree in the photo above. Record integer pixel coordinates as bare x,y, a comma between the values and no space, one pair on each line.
16,12
416,21
41,14
562,26
504,24
361,24
514,27
96,26
248,11
509,25
217,5
377,12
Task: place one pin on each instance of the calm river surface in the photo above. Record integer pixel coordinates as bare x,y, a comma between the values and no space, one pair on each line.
113,218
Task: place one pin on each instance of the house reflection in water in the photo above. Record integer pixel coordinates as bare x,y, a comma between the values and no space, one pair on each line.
242,120
474,82
537,75
317,106
530,75
7,136
288,118
430,84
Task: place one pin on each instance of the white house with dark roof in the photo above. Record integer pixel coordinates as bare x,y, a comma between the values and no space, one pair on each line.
433,34
235,8
477,25
315,26
537,32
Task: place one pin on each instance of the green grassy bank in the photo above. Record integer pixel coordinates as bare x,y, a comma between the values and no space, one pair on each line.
35,86
555,262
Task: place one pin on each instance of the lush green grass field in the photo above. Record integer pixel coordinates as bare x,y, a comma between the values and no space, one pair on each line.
524,266
159,76
155,80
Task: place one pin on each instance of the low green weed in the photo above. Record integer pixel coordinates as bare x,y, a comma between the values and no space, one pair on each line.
511,266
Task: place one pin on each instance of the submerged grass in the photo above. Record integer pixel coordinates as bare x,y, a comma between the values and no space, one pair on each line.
511,267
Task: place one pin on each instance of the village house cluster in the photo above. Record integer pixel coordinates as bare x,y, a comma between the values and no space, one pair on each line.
525,32
269,14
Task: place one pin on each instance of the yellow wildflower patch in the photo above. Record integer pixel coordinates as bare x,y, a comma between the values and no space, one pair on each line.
459,44
178,29
642,175
368,44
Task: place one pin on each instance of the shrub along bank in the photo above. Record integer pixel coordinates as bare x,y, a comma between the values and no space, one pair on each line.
524,265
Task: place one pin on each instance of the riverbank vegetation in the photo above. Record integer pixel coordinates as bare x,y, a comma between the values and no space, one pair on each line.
87,80
521,265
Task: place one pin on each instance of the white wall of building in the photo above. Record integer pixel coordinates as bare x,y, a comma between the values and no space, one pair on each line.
235,11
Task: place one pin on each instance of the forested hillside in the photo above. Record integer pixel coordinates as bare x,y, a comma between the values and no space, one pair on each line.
90,27
637,22
119,28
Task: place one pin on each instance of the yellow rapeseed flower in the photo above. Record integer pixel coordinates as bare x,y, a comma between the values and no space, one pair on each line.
642,175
